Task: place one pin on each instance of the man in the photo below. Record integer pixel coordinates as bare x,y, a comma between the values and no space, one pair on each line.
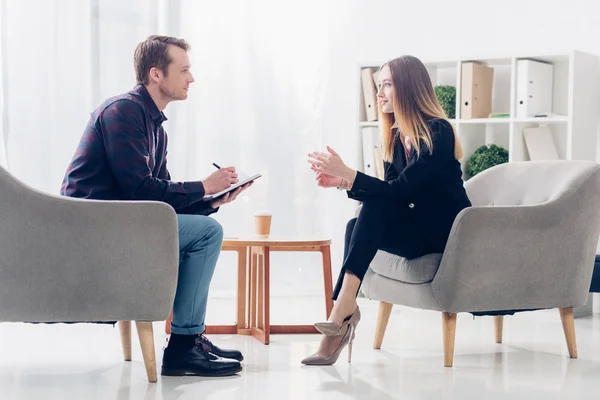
122,156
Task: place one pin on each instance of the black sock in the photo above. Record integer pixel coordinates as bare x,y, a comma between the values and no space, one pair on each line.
181,342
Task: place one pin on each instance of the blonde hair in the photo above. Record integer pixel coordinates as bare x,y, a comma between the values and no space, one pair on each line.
415,104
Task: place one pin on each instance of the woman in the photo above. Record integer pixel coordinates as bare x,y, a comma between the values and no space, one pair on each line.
411,212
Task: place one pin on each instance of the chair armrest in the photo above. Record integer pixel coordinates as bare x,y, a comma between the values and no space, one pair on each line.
64,259
517,257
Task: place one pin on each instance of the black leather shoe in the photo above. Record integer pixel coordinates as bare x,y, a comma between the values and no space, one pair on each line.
225,353
196,361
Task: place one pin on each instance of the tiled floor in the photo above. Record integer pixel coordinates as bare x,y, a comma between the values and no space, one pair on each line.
84,362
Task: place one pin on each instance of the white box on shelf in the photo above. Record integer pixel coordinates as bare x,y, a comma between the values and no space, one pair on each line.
370,142
540,144
534,88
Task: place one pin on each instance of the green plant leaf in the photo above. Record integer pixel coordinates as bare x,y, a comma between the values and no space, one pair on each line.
446,95
486,157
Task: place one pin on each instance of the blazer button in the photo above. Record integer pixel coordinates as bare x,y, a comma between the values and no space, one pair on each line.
411,205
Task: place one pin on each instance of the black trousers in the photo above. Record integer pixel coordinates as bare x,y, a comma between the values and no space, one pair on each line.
381,225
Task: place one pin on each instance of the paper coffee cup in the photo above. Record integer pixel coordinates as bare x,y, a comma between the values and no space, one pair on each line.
262,223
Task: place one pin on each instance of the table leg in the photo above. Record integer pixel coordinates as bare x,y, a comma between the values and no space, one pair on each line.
261,331
242,323
267,294
326,252
261,291
249,294
252,294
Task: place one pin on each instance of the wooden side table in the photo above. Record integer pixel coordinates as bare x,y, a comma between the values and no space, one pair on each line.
253,285
259,317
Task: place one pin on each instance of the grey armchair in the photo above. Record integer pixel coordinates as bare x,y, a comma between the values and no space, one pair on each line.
528,242
71,260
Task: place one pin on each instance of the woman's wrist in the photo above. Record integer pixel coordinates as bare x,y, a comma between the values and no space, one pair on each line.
348,179
352,178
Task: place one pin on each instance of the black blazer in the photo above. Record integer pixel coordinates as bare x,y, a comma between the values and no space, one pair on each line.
429,186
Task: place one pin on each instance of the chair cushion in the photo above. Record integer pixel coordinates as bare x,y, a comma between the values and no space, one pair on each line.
416,270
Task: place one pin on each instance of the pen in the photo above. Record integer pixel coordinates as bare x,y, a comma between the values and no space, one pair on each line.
216,166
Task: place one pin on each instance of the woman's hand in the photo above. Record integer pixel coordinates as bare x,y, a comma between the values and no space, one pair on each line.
330,164
326,181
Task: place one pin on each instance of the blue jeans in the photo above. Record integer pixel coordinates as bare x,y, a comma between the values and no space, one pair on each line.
200,240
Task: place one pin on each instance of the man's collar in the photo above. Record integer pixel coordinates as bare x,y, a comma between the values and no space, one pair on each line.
157,116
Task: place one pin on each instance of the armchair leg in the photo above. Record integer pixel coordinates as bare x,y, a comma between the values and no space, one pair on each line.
449,333
568,323
498,324
146,336
383,317
125,329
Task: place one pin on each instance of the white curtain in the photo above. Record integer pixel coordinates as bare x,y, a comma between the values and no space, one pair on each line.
60,58
261,69
257,103
3,115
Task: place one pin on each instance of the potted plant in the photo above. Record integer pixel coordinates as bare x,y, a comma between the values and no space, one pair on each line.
486,157
446,95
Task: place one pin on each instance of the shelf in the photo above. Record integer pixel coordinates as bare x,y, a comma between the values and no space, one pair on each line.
557,119
532,120
491,62
485,121
535,120
363,124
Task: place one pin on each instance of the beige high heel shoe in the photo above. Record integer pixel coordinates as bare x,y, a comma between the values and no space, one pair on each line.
325,356
330,328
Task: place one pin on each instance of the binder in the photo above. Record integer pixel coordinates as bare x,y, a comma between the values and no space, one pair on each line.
369,93
476,90
376,81
370,142
534,88
378,158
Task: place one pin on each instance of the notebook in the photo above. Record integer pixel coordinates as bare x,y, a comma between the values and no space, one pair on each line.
241,182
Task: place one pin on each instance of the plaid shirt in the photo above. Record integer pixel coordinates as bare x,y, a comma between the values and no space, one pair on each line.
122,155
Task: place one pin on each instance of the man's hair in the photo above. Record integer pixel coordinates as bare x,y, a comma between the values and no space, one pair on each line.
153,52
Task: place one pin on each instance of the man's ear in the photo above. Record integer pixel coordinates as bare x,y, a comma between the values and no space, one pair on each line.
154,74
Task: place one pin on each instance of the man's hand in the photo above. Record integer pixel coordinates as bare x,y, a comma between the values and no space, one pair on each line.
220,180
229,197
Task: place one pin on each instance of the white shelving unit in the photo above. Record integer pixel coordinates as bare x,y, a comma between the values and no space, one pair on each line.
574,118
